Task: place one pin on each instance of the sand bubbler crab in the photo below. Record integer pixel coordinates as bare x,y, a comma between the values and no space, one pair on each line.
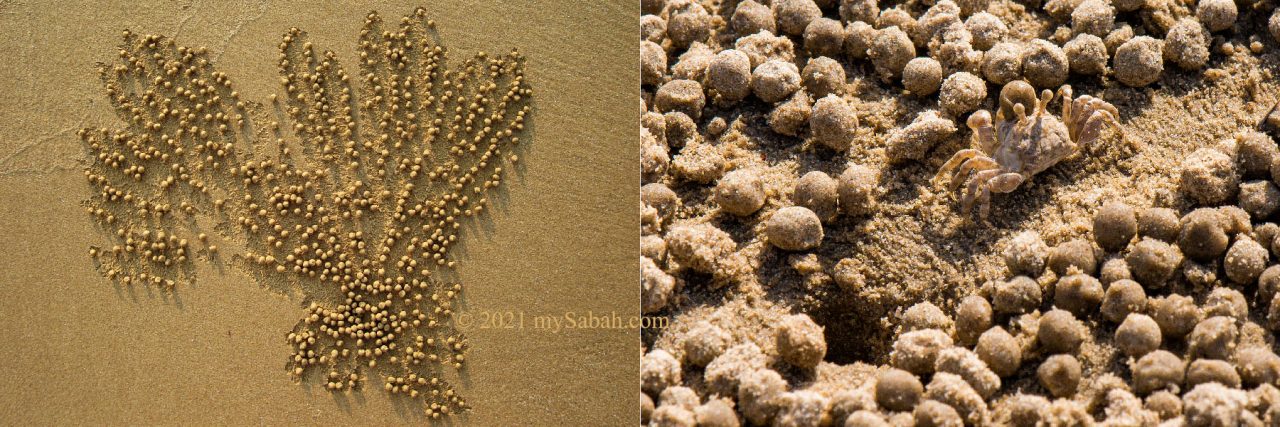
1016,146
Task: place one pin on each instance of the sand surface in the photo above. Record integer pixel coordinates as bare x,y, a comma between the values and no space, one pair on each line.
559,239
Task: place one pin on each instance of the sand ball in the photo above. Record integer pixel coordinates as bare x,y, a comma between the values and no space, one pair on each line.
1095,17
660,197
704,343
824,37
1060,332
1213,338
794,15
1227,302
1159,223
858,37
1176,314
794,228
898,390
1139,61
653,28
1060,374
1245,261
653,63
1078,293
925,315
1123,297
1203,236
817,191
1187,44
775,80
691,24
987,30
865,418
1166,405
700,247
726,372
656,123
1273,25
1087,55
954,391
932,413
1212,371
864,11
1137,335
823,76
915,140
646,408
922,76
1259,198
1257,364
1026,254
962,93
1003,63
1216,15
833,123
716,413
1000,351
684,96
801,408
751,17
653,247
681,396
680,129
1114,226
891,51
1113,270
1256,152
764,46
1044,64
1077,253
654,158
1158,370
973,317
672,416
699,162
800,341
896,17
1018,295
1118,37
1024,409
965,363
758,395
846,402
856,188
729,77
655,286
1214,404
789,117
917,351
658,370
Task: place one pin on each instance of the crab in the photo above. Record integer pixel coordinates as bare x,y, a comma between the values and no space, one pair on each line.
1017,146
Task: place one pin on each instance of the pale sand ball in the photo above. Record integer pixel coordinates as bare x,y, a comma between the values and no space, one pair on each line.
1123,298
1212,371
1176,314
1257,364
1060,374
1227,302
856,190
1213,338
1078,293
1095,17
740,192
1159,223
1114,226
794,228
962,93
922,76
801,409
1256,152
858,37
915,140
758,395
654,157
655,286
1045,65
817,191
660,197
1269,283
833,123
1158,370
656,123
1165,404
653,247
684,96
764,46
1018,295
751,17
1137,335
1213,404
1000,351
800,341
1259,198
716,413
898,390
896,17
775,80
1060,332
658,370
954,391
1203,236
680,128
794,15
1003,63
1187,44
653,63
1115,269
824,37
699,162
973,317
1087,55
823,76
932,413
789,117
725,373
917,351
890,52
865,418
1077,254
925,315
1245,261
965,363
672,416
729,77
653,28
1026,254
1118,37
864,11
1216,15
704,343
1024,410
987,30
1066,412
700,247
681,396
691,24
1139,61
846,402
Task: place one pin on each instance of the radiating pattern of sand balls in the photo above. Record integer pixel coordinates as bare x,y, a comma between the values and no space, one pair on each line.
349,188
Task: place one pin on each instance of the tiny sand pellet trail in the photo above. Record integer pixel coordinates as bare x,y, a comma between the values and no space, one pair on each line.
348,189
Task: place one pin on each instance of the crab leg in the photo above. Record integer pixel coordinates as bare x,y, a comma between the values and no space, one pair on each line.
976,184
984,135
956,160
1092,126
975,164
